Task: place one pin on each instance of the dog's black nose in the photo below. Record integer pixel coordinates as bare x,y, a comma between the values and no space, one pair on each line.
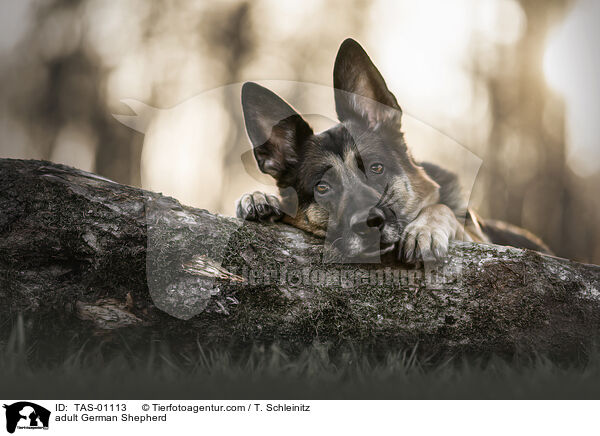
363,222
376,218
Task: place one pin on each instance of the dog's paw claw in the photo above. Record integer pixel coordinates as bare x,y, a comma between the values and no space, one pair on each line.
259,207
439,253
439,244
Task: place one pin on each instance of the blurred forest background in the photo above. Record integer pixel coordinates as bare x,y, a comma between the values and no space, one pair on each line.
517,82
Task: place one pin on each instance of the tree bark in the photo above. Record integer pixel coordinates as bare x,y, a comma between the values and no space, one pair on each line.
77,247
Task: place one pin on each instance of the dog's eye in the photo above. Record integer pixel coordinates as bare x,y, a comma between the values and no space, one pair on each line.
322,188
377,168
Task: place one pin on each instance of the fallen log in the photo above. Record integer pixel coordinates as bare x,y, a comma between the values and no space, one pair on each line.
112,257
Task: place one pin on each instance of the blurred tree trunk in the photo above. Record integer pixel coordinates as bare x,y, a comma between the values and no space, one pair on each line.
121,257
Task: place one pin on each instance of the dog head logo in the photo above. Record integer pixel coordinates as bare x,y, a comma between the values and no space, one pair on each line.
26,415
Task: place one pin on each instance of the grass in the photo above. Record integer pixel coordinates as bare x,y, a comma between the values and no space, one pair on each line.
116,371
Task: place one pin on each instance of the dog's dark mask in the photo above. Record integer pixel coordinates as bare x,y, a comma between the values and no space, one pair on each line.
356,183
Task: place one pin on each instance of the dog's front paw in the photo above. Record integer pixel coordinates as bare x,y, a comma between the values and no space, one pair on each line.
423,243
259,207
428,236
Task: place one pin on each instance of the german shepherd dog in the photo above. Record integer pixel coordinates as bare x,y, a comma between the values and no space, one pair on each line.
356,183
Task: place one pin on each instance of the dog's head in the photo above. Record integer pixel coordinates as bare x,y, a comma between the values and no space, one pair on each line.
356,182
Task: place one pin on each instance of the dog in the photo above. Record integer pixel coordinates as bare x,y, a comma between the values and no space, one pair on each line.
356,184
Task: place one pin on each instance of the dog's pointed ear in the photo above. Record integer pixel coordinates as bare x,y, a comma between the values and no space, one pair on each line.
275,129
360,91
